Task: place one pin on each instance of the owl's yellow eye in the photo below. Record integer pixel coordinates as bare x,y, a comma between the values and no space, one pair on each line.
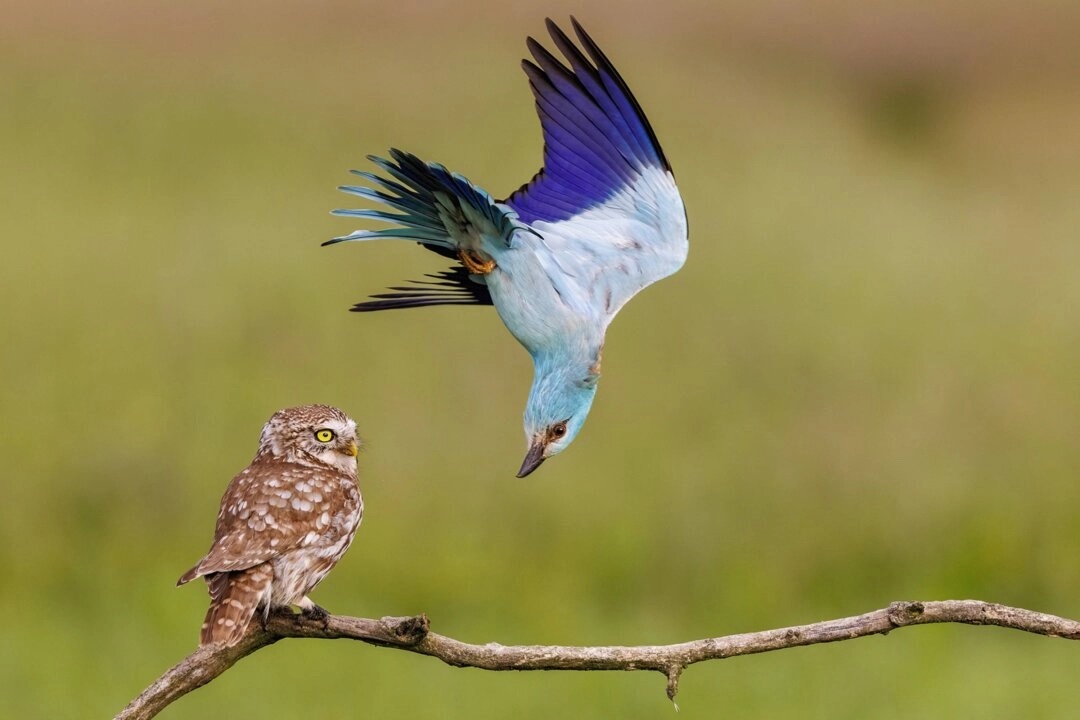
324,435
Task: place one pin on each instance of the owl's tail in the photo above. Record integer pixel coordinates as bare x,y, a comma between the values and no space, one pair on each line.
234,599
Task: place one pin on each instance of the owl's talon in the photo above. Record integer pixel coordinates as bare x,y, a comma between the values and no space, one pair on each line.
315,612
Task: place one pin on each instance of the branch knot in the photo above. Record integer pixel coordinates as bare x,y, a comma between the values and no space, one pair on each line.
407,630
905,613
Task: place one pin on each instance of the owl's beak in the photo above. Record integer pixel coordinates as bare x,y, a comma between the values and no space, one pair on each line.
533,458
350,449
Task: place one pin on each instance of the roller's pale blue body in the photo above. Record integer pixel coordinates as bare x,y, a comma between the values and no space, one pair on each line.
558,258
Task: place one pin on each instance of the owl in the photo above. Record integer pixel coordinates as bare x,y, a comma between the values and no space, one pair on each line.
284,522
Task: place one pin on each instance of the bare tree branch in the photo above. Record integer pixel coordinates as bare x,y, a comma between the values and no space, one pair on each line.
413,634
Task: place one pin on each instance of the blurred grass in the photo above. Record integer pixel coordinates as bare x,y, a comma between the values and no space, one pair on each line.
861,388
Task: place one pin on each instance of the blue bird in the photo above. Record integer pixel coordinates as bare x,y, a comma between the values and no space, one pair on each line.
561,255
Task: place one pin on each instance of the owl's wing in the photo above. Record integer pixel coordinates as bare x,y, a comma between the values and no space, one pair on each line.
268,509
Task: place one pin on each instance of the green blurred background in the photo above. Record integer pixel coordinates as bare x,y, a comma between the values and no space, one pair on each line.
862,387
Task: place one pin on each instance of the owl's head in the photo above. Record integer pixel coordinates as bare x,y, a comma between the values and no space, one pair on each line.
309,435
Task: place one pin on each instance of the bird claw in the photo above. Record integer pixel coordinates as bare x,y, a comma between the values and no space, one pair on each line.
476,263
263,616
315,612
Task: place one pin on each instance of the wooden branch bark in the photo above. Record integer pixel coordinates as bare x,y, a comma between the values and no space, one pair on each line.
413,634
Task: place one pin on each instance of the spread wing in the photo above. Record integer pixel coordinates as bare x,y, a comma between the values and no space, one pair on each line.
440,210
605,201
449,287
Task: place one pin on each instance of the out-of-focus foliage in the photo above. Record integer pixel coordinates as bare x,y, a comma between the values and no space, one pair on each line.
863,386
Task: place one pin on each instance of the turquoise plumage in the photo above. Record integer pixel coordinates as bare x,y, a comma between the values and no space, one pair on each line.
558,258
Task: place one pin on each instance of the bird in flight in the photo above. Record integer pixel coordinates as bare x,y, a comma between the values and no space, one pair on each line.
561,255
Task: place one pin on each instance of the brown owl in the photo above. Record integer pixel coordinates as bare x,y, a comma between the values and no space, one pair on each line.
284,522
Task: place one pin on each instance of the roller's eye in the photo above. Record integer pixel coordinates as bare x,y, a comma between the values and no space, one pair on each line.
324,435
558,430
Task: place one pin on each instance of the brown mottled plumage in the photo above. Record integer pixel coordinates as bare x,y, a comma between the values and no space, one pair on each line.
285,520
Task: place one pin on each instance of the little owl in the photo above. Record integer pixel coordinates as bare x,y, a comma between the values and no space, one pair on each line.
284,522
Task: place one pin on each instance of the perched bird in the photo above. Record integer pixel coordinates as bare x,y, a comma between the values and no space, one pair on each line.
561,255
284,522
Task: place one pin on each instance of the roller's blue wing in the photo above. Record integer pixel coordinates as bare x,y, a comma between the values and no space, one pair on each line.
605,201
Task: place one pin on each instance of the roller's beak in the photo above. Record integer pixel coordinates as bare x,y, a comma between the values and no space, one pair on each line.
533,459
350,449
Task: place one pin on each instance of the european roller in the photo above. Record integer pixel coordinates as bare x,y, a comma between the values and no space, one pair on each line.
561,255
